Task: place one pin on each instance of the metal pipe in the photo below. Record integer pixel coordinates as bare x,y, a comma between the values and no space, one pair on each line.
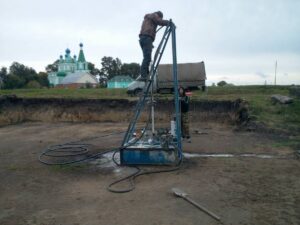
152,110
179,193
176,93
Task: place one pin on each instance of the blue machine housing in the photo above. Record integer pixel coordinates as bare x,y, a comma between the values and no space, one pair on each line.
148,155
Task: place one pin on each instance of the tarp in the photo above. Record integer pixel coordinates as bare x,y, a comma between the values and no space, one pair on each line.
190,72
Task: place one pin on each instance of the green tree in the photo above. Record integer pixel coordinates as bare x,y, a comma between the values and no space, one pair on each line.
33,84
110,66
3,75
20,76
23,72
222,83
132,69
13,81
52,67
43,79
93,69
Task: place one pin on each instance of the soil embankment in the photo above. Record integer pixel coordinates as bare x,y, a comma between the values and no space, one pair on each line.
16,110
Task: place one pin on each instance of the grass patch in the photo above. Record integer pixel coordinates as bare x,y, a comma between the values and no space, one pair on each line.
277,116
70,167
92,93
244,92
293,143
15,168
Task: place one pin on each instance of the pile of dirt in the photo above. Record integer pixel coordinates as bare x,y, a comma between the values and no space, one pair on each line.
15,110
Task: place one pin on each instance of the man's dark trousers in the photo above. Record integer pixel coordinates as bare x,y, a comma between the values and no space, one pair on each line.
146,45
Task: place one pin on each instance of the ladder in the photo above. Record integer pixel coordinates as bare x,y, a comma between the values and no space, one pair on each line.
170,29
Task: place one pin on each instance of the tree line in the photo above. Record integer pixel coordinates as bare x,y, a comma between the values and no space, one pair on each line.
21,76
112,67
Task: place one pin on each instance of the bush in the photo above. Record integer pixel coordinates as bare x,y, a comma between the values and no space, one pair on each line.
42,78
33,84
13,81
221,83
88,85
295,91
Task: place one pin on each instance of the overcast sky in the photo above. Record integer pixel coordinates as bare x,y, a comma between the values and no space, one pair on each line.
239,40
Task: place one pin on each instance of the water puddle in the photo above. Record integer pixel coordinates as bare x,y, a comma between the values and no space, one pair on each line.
106,162
221,155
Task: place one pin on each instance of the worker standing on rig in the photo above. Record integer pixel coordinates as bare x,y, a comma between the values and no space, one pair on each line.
147,37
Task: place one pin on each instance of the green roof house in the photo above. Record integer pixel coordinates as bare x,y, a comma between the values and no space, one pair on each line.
119,82
68,65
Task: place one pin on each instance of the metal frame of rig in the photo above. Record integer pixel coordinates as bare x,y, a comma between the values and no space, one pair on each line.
154,147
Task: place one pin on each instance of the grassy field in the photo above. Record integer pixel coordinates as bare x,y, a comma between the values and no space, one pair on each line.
92,93
285,117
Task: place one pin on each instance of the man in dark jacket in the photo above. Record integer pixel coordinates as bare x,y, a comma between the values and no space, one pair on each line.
184,107
147,37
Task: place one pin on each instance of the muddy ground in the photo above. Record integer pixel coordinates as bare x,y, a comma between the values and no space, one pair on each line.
241,190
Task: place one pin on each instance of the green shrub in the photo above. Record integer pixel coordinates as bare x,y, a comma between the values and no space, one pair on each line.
33,84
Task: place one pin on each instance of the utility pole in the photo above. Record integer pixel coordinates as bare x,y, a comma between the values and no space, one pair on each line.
275,72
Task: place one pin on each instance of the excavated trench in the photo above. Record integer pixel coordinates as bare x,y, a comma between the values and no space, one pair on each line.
16,110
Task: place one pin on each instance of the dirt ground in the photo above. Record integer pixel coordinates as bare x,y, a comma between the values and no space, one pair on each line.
241,190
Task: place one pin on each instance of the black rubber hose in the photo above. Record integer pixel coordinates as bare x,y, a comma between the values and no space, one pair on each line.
136,174
69,150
